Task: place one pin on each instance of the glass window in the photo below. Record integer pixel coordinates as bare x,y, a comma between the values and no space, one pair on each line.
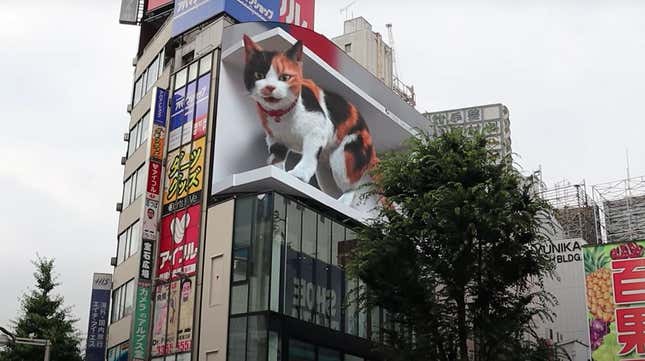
192,71
153,70
137,90
260,267
307,286
375,324
121,247
240,264
180,78
256,346
351,312
338,235
301,351
144,128
237,339
274,346
127,189
362,314
128,298
133,139
243,222
239,298
140,185
135,237
353,358
292,274
325,354
277,245
323,253
205,64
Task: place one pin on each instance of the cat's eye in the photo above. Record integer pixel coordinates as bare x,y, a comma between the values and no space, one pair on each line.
258,76
285,77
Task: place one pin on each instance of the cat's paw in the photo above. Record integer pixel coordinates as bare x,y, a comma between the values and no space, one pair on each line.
301,174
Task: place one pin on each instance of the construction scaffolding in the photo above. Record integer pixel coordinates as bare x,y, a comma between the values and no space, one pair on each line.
574,211
621,211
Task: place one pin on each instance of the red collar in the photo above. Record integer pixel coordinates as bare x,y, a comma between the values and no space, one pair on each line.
277,114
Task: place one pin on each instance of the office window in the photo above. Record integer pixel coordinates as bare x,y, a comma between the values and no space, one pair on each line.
133,186
301,351
292,273
260,268
147,78
118,352
128,242
122,301
323,253
307,289
138,134
256,344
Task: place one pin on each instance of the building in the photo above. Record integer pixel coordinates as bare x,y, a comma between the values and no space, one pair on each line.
622,211
219,256
367,47
492,120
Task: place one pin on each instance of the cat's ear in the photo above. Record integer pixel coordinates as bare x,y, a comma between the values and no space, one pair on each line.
295,53
250,47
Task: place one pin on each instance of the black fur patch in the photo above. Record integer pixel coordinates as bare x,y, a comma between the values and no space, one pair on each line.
338,108
318,153
309,100
362,155
279,151
260,62
360,125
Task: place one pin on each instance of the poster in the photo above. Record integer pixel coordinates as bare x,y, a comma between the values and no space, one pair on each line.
201,106
179,243
186,306
173,317
615,287
160,320
184,175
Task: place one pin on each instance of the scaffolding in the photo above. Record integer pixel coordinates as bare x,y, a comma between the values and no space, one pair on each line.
574,210
621,211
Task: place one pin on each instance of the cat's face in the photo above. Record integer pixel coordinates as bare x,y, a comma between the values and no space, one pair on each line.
273,79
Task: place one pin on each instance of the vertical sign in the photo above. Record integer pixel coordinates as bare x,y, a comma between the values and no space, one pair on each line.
151,214
99,305
615,285
179,231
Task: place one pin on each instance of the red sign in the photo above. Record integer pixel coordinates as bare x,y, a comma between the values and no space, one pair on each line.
628,277
154,4
154,179
297,12
179,243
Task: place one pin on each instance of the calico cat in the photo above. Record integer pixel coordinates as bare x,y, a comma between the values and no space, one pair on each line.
297,115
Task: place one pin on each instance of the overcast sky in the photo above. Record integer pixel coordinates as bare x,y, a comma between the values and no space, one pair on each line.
572,74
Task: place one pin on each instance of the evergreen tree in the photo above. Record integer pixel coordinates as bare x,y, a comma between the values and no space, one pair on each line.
43,316
455,256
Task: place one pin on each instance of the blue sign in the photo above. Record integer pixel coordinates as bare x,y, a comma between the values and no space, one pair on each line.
98,323
161,107
190,13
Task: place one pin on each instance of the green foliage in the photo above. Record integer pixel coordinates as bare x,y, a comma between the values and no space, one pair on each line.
43,316
455,255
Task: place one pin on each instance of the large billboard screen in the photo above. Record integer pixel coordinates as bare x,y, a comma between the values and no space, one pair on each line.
270,113
615,286
190,13
98,321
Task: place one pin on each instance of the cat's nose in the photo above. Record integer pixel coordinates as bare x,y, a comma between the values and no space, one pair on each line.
268,90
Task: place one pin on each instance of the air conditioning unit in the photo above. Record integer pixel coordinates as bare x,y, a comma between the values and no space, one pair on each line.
126,137
119,207
123,160
135,60
113,261
129,108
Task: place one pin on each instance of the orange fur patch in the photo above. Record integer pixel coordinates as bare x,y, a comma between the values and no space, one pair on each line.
343,129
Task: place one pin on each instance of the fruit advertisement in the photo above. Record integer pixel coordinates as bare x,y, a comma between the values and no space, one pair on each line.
615,287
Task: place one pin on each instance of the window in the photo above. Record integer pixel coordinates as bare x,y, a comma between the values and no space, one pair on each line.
118,352
138,134
122,301
128,242
247,339
147,78
133,186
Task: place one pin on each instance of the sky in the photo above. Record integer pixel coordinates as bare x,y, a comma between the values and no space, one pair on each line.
570,72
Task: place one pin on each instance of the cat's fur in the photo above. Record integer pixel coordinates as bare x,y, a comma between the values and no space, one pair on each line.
298,116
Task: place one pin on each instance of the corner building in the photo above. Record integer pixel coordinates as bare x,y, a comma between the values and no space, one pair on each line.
219,256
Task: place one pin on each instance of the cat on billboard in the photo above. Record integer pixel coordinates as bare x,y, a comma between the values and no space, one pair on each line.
298,116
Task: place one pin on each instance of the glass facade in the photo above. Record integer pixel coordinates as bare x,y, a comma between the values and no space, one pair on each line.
288,267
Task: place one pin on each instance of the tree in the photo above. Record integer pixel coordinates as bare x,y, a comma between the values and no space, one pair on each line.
43,316
455,255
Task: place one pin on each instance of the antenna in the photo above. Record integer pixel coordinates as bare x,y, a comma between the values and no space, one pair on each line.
345,10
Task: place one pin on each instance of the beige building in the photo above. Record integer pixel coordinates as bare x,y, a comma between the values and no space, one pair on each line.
367,47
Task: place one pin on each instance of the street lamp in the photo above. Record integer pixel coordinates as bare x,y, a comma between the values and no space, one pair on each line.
10,338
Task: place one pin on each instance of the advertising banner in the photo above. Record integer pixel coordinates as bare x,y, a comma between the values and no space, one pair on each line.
179,243
615,286
161,105
150,219
97,327
201,106
184,175
190,13
186,307
145,266
160,320
157,142
141,321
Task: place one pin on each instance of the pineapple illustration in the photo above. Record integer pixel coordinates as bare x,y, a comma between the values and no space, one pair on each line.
599,292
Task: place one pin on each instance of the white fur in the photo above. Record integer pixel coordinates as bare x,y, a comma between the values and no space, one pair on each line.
306,133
